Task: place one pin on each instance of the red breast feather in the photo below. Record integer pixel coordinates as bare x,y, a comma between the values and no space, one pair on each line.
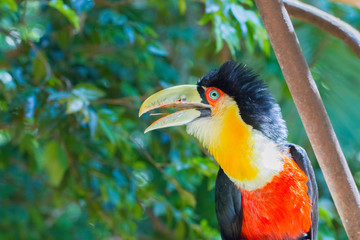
280,209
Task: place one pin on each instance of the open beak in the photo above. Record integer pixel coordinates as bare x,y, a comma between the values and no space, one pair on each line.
184,97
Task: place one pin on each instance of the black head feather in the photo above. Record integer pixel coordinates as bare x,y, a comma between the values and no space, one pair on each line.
257,106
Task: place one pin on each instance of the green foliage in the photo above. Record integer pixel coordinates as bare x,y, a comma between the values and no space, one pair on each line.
9,4
66,11
54,161
74,162
232,21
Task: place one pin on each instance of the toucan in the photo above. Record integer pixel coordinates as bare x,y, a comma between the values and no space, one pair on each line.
265,187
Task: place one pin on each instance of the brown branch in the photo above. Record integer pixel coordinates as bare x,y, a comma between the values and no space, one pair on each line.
114,4
158,225
43,60
91,50
120,100
9,34
4,127
125,101
24,13
313,114
326,22
4,31
147,155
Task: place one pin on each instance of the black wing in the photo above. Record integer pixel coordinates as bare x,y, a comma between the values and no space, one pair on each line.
228,207
300,157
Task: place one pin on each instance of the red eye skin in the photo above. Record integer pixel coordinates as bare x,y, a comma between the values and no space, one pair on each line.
212,101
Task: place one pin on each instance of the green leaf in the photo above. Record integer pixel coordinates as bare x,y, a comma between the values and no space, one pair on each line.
250,43
7,80
38,151
159,208
266,47
252,17
93,121
55,162
211,6
39,69
157,49
66,11
239,14
224,31
54,95
187,197
182,6
325,215
5,137
53,81
230,36
74,105
180,230
217,31
8,4
109,16
113,194
107,131
88,91
130,34
64,37
71,214
205,19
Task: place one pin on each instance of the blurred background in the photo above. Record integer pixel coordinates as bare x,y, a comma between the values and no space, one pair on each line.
74,162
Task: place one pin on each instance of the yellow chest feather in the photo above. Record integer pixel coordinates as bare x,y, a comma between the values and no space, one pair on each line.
248,157
234,151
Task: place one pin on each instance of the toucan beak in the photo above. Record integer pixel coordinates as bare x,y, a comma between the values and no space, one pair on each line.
184,97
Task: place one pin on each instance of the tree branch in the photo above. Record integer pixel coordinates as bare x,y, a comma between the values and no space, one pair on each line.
43,60
24,13
326,22
313,114
147,155
158,225
10,34
114,4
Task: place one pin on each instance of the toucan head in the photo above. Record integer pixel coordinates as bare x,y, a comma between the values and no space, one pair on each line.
202,107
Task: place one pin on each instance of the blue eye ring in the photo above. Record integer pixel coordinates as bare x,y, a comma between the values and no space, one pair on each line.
213,94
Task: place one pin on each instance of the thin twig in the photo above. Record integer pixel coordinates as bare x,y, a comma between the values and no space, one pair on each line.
4,31
127,104
9,34
326,22
24,12
158,225
43,60
124,101
158,166
115,4
120,100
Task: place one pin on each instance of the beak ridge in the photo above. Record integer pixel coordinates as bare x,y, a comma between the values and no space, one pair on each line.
184,97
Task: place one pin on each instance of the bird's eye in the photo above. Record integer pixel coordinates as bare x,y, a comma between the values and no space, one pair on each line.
213,94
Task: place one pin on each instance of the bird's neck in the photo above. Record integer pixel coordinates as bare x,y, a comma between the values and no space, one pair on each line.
248,157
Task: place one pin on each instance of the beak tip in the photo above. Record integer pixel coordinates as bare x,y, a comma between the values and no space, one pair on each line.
141,111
